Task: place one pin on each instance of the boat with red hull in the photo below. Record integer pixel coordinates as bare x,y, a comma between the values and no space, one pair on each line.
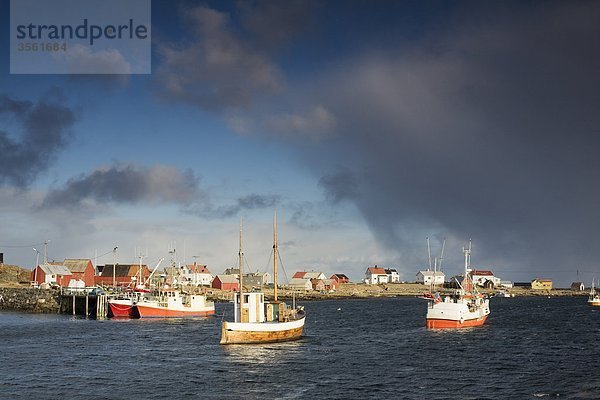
465,308
122,308
172,303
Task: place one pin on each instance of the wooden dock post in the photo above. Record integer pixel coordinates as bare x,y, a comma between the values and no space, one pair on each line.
87,300
73,304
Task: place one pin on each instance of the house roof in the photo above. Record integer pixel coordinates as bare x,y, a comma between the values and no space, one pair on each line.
227,278
299,274
342,276
76,264
231,271
55,269
481,272
298,282
376,271
314,275
390,270
542,280
123,270
198,269
431,273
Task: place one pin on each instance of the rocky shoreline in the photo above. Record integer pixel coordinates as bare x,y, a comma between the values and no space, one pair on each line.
29,300
48,301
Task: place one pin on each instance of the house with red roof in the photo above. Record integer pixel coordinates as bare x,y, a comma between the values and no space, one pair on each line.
340,278
376,276
484,278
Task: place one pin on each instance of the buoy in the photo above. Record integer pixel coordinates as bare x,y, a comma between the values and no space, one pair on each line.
339,309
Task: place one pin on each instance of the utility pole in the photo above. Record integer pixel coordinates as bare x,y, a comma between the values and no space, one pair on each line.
115,267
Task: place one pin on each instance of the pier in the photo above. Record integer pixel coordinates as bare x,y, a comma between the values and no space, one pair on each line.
83,303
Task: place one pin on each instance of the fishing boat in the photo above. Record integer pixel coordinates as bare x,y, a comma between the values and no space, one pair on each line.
466,307
594,299
125,304
260,321
123,307
174,303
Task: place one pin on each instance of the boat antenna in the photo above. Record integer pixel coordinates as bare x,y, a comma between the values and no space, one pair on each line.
275,254
241,271
442,254
429,252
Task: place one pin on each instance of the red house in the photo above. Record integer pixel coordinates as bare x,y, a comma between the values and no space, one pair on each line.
340,278
51,274
225,282
124,274
81,268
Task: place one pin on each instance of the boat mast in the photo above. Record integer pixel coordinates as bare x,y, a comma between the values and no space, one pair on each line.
275,253
240,267
468,285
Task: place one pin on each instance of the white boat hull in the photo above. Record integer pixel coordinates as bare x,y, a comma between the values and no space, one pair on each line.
447,314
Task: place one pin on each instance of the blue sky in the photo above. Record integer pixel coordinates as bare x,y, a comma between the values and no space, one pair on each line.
370,126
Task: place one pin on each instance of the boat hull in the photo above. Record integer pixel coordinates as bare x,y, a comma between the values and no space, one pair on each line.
122,309
433,323
165,312
266,332
595,303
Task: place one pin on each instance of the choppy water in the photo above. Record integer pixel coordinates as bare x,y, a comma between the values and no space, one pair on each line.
379,348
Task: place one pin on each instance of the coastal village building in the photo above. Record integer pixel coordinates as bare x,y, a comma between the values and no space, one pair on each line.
232,271
577,286
330,284
226,282
485,278
257,279
124,274
393,276
541,284
300,284
376,276
82,270
50,274
196,275
507,284
310,275
431,277
340,278
317,284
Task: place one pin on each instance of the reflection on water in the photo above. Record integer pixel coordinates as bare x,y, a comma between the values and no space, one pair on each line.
270,353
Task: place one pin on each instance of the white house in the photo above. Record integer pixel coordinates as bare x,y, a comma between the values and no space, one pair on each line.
196,274
300,284
393,276
310,275
431,277
376,276
485,278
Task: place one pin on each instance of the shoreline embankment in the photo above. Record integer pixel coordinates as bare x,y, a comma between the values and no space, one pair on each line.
33,300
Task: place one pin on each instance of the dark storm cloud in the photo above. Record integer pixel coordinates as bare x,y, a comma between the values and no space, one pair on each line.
218,69
483,129
249,202
339,186
38,132
127,184
274,23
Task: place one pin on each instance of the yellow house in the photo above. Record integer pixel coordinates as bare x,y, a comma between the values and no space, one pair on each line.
541,284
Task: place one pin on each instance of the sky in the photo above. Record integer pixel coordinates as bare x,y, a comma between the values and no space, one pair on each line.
368,126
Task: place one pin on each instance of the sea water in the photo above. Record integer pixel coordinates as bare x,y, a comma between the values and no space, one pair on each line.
352,349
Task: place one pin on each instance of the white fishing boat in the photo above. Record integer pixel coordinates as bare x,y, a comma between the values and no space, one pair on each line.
594,298
466,307
165,303
260,321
